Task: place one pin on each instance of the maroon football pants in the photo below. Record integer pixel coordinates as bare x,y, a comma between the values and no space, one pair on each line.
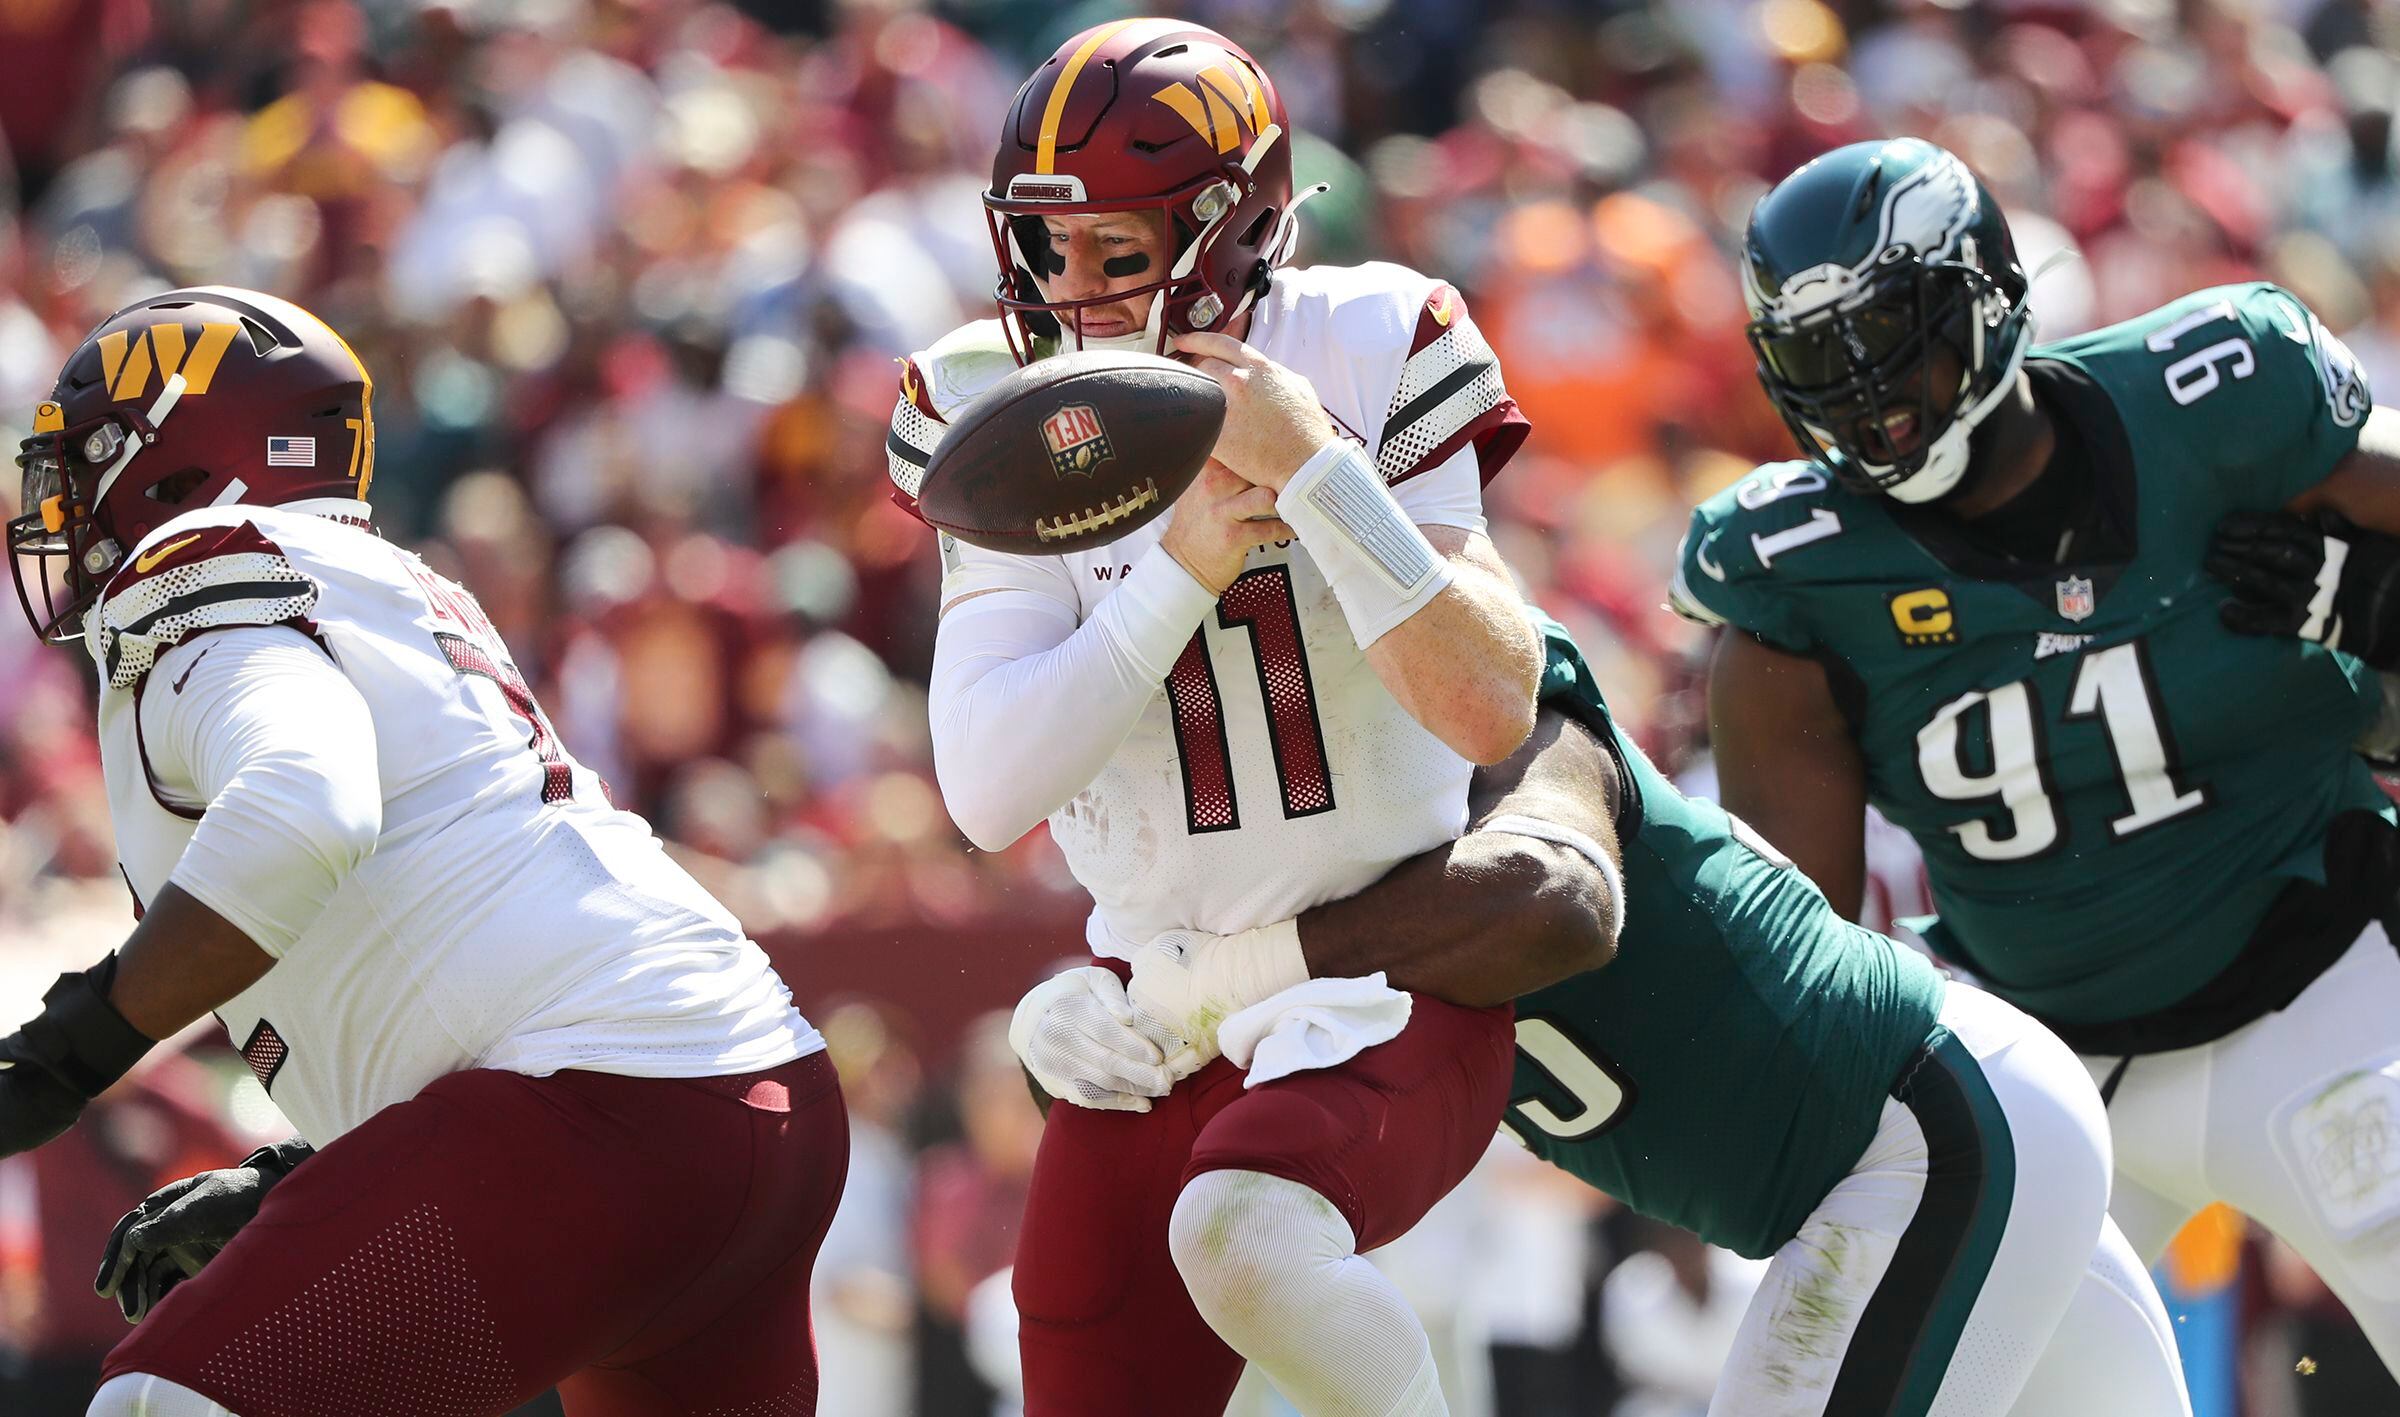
643,1244
1105,1327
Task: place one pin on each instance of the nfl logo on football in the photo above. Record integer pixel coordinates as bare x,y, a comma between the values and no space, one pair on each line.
2075,599
1077,441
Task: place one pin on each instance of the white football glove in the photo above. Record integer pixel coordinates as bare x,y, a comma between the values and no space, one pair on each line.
1186,982
1082,1042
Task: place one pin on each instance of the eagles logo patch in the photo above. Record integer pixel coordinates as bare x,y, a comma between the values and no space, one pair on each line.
2346,396
1077,441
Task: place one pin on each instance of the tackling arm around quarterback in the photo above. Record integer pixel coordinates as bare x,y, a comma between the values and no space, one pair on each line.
1529,896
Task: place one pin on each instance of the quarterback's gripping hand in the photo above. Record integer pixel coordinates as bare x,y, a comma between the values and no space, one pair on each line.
72,1052
180,1227
1273,420
2325,581
1081,1041
1187,982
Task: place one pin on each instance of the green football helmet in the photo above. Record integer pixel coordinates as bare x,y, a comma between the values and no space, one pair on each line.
1861,270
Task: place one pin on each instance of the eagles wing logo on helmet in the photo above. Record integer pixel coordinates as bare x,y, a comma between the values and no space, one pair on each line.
1929,210
1926,214
1867,270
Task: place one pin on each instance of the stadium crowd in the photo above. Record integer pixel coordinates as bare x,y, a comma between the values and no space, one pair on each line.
632,276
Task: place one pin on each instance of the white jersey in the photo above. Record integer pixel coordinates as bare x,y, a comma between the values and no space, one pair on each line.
1272,770
506,916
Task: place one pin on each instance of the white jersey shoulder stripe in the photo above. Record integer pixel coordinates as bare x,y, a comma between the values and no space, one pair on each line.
204,578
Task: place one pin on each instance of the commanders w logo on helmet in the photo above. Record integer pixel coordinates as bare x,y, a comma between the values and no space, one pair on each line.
175,402
163,346
1229,97
1154,116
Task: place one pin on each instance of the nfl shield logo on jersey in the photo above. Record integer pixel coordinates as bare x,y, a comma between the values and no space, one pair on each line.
1077,441
2075,600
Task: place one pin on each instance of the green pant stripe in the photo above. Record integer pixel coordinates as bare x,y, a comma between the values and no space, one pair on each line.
1911,1325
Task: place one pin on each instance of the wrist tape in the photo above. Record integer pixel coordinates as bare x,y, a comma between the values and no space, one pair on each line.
1381,568
79,1037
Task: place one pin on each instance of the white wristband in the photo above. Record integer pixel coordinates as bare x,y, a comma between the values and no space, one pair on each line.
1381,568
1516,824
1253,966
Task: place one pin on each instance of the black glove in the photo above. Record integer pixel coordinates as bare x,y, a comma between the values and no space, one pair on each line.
2273,562
71,1053
171,1235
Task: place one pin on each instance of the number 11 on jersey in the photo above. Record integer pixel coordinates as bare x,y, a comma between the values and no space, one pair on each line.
1261,602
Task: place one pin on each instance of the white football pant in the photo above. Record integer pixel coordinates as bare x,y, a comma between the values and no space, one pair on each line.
2293,1120
1966,1267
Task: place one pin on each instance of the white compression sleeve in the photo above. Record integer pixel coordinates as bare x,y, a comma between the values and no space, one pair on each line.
259,725
1027,706
1276,1271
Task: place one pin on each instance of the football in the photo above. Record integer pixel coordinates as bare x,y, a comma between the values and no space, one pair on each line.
1072,452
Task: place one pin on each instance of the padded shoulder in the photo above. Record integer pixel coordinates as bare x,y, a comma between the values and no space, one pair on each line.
934,384
209,570
1746,539
2244,380
1368,306
1409,337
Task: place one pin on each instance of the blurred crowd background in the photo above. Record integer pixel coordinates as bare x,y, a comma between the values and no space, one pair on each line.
632,275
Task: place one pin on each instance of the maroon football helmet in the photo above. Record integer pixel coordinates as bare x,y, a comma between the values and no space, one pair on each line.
1153,115
187,399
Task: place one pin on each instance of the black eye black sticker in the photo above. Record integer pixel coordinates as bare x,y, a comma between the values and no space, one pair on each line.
1118,267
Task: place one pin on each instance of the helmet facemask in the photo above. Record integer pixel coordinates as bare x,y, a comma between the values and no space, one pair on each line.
1844,375
56,542
1198,218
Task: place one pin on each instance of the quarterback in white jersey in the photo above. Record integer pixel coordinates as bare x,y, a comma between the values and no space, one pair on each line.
351,833
1265,768
1261,702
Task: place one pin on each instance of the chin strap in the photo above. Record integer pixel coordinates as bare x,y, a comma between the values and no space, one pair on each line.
1948,463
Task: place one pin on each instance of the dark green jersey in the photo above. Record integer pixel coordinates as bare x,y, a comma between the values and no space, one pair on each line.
1733,1061
2109,787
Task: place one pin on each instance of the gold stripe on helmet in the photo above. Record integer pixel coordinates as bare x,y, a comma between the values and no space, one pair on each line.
126,362
215,338
1260,118
1045,155
1238,94
1045,158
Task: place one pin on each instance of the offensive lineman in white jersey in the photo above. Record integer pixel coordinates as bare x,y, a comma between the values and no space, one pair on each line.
528,1055
1222,733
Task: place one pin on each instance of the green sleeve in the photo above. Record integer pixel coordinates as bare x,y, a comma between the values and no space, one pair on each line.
1721,575
2279,431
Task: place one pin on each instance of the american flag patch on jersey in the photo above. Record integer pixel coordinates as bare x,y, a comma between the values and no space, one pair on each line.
291,452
